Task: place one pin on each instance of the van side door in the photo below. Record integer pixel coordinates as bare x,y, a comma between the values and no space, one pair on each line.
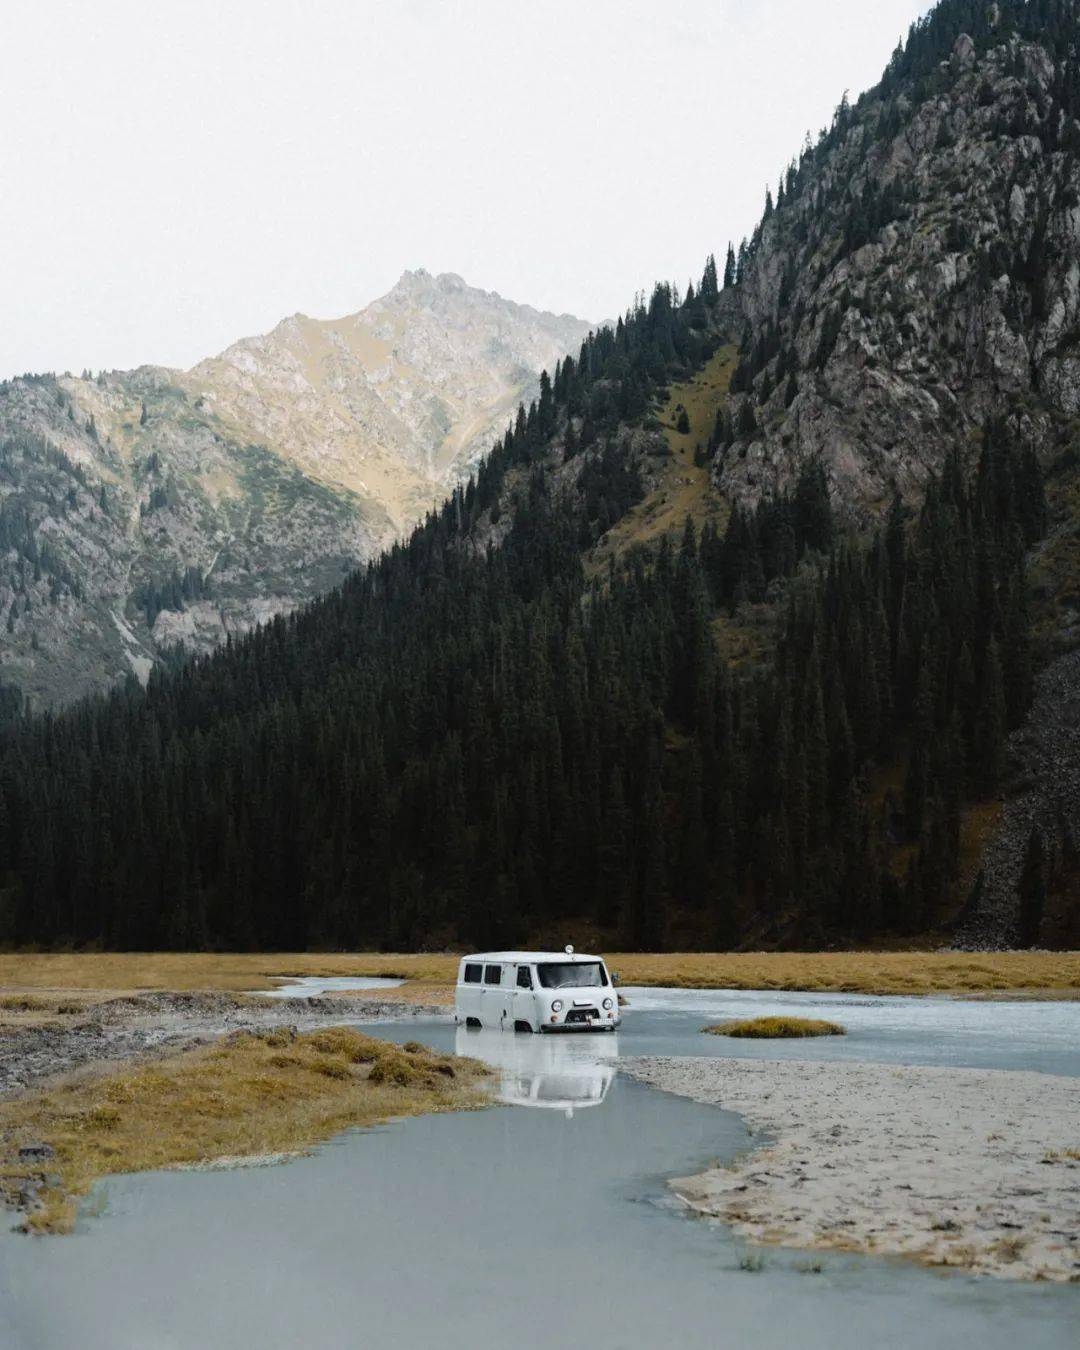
524,1000
493,1003
472,977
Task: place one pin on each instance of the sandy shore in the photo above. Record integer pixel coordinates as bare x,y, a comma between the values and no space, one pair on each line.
977,1169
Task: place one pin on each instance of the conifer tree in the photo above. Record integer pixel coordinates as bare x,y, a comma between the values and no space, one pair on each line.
710,288
729,269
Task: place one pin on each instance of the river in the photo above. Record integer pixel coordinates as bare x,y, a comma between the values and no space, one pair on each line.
544,1222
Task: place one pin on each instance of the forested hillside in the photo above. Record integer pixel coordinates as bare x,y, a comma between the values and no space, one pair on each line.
466,744
520,722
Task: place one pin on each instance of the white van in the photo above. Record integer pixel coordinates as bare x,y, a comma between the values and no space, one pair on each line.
536,991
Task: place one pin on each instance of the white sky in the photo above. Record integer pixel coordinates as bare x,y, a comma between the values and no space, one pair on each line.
176,174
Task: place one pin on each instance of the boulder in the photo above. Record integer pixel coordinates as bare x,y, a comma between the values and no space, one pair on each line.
36,1151
963,53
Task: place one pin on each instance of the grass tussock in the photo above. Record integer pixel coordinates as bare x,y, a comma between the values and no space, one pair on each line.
30,1003
248,1096
1063,1155
23,1010
775,1028
1010,1248
20,1003
430,977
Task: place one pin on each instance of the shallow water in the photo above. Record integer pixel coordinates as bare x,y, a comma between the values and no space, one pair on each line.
539,1227
966,1033
308,986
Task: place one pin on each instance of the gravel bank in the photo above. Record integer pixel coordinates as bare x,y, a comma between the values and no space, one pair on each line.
977,1169
142,1025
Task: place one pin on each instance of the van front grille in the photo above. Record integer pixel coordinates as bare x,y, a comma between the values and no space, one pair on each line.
582,1015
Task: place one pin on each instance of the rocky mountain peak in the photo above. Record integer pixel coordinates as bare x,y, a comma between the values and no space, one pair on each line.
394,402
419,280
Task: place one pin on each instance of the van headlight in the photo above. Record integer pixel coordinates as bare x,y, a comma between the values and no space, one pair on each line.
556,1005
608,1003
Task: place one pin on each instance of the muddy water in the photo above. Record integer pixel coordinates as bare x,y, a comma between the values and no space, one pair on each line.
542,1223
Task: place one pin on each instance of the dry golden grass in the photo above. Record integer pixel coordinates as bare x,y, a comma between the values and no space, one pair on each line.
37,1010
1063,1155
22,1003
430,976
775,1028
1018,973
243,1097
185,971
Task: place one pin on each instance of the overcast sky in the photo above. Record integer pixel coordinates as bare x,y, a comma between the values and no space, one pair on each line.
178,174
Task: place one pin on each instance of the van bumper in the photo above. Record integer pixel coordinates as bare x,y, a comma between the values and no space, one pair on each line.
556,1028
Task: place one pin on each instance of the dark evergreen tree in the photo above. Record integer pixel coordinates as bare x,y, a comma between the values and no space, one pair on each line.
729,269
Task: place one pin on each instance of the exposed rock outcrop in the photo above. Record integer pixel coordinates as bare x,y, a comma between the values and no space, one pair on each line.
921,273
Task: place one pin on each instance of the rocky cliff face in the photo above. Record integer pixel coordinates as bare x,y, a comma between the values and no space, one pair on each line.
919,274
146,511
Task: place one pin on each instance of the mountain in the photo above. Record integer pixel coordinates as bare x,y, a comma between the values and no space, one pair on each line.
147,511
916,272
757,627
397,402
914,281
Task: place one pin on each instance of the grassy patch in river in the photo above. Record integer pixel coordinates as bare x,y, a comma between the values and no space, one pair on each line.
244,1097
775,1028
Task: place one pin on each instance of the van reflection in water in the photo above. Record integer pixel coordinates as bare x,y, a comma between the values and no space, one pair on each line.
554,1072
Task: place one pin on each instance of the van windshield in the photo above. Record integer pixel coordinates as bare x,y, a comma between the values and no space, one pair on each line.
571,975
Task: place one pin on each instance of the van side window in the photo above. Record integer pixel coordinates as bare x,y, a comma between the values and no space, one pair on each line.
473,973
524,978
493,975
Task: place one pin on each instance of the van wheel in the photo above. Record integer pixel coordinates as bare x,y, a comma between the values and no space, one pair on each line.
473,1022
523,1026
